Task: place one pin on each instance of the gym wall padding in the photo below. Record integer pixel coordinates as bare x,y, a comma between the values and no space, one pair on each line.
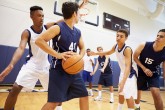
6,53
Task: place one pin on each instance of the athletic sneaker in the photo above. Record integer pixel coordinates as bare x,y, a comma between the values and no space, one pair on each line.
137,108
98,98
111,100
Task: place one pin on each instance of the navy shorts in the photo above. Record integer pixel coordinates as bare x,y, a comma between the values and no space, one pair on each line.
86,76
63,86
106,79
144,82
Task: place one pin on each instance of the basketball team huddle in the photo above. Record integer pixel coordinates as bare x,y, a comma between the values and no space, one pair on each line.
66,63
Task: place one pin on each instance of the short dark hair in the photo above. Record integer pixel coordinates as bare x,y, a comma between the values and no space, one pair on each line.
88,49
34,8
162,30
68,8
123,31
99,47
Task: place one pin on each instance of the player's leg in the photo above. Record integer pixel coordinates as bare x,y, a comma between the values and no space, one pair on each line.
44,79
157,98
99,97
130,103
137,101
90,79
84,103
121,102
12,97
50,106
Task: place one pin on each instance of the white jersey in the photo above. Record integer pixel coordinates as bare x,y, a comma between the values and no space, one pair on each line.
38,58
87,63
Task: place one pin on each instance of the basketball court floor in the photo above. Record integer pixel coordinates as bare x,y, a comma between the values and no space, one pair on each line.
35,100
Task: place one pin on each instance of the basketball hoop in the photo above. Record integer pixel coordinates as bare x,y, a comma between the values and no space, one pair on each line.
83,13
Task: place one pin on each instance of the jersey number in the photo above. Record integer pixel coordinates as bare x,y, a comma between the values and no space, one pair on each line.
72,46
149,61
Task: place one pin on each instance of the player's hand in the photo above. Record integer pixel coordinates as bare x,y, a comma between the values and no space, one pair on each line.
5,72
148,72
102,70
65,55
85,1
120,87
91,73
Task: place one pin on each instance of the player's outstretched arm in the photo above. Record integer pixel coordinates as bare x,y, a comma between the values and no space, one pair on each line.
17,55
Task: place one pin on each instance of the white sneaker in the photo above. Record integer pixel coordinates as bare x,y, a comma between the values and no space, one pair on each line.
98,98
111,100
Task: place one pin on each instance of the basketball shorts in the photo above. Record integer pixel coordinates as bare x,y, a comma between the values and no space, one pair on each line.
130,87
86,76
28,78
63,86
106,79
144,82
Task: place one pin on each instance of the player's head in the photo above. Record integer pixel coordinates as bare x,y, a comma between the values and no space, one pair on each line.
36,14
88,51
121,35
99,49
161,37
70,10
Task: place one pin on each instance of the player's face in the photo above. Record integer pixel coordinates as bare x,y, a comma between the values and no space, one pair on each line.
77,16
100,50
88,52
120,37
38,17
160,38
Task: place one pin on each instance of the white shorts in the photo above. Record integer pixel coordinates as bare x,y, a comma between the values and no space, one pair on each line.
130,87
28,77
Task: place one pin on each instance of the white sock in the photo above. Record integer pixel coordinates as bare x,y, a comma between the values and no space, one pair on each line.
137,105
130,109
111,95
59,108
120,106
100,94
90,90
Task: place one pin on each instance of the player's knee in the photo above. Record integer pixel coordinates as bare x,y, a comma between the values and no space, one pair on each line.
15,89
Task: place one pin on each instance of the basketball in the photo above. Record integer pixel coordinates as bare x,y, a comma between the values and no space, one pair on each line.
73,65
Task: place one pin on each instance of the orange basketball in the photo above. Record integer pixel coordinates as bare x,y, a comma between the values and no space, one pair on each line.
73,65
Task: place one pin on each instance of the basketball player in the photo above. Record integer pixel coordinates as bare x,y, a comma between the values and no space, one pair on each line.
148,57
127,80
106,77
66,38
37,67
88,68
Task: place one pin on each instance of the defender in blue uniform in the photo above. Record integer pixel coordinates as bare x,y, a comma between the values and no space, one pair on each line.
148,57
66,38
106,76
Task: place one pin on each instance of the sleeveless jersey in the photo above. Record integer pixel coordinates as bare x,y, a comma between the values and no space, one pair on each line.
121,60
67,40
151,59
101,61
37,58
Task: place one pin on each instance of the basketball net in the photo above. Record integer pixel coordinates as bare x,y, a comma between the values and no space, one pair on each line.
84,12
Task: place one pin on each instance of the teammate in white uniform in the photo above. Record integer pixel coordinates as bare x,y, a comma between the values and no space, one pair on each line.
88,69
127,80
37,65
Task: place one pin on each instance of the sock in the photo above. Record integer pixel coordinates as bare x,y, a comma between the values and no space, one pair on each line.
91,91
137,105
100,94
111,95
120,106
130,109
59,108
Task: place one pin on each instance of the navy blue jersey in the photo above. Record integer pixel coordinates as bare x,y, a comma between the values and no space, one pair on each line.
151,59
67,40
101,61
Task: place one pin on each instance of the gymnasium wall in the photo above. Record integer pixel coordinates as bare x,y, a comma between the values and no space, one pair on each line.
15,18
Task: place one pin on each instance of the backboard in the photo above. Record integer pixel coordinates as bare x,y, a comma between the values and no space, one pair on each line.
92,18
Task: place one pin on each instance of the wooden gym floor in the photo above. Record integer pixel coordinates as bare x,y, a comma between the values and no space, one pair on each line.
35,100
